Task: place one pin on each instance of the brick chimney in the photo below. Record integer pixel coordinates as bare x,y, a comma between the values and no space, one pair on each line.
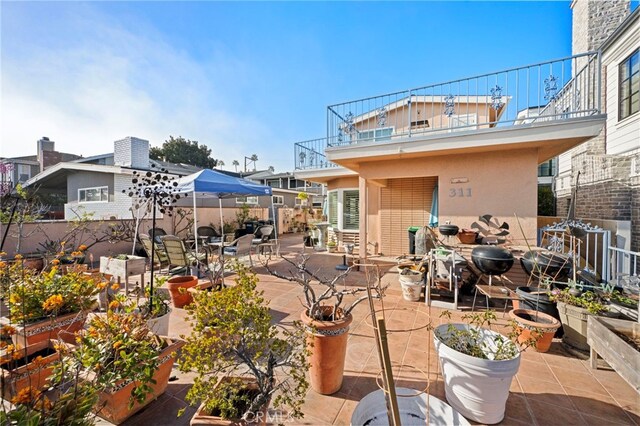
47,154
594,21
131,152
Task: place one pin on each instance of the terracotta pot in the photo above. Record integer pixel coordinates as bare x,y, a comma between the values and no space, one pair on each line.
535,324
467,236
201,417
181,298
113,405
62,327
28,374
328,351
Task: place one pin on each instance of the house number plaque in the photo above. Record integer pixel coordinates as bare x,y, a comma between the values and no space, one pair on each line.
460,192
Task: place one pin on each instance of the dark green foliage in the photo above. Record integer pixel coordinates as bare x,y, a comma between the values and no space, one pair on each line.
181,150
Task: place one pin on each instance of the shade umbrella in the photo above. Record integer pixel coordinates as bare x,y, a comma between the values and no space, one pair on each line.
221,186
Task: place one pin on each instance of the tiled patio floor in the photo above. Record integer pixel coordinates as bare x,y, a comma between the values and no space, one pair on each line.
554,388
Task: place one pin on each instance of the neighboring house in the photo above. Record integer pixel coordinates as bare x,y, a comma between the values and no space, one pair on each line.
286,188
609,164
95,184
20,169
477,145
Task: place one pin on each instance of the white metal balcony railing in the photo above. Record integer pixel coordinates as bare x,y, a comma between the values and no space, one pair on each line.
555,90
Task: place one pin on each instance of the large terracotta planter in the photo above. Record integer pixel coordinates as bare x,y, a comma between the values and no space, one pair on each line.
328,341
535,325
22,373
201,417
113,404
61,327
181,298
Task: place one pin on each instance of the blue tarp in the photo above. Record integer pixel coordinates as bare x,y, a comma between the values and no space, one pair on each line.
220,185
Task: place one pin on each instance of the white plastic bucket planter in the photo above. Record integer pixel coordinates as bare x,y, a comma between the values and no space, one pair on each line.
411,289
160,325
372,410
477,388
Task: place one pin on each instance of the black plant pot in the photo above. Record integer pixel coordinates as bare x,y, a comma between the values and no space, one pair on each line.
540,302
448,230
492,260
546,263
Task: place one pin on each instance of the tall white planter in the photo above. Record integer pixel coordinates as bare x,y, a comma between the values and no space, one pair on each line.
414,409
160,325
477,388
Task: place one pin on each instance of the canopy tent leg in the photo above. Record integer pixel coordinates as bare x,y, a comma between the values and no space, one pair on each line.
222,245
275,221
195,222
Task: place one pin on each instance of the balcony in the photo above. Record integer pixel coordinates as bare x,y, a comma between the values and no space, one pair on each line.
554,91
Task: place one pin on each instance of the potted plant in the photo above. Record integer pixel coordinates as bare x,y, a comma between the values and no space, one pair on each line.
178,286
128,363
332,246
242,361
574,307
327,317
43,304
535,325
68,400
23,367
477,365
155,310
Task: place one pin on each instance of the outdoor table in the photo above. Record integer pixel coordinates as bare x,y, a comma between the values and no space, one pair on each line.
495,292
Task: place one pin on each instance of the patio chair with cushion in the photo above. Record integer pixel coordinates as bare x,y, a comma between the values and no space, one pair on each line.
180,259
160,256
157,234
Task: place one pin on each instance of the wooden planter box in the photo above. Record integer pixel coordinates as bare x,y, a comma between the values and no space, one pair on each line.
619,354
123,269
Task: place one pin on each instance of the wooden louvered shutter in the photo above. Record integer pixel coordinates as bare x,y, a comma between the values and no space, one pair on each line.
403,203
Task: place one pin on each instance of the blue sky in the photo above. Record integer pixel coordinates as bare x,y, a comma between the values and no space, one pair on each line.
242,78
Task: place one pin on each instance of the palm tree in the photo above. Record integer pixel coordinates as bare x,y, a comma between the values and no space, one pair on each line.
272,169
235,163
219,164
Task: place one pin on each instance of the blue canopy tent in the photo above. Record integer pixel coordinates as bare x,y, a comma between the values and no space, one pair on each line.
221,186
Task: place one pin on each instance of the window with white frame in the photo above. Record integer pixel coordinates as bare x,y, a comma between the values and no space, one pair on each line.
246,200
98,194
344,209
24,172
383,134
278,199
463,122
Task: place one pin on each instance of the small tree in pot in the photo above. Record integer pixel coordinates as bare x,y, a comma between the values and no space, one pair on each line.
236,352
327,316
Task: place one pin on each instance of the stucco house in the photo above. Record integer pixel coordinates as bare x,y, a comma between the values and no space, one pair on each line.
475,144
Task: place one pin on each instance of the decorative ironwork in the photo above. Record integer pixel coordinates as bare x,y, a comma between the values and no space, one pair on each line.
449,105
382,117
340,136
550,88
302,156
348,123
496,98
556,244
312,158
576,100
576,223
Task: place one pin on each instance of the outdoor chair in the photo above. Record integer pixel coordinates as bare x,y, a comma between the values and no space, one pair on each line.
263,234
179,257
157,234
160,256
240,247
209,233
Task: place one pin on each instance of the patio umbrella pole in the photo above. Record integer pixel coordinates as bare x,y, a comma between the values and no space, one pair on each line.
275,222
222,243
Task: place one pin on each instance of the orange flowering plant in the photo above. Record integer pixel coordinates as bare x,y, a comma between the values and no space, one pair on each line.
33,297
119,347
